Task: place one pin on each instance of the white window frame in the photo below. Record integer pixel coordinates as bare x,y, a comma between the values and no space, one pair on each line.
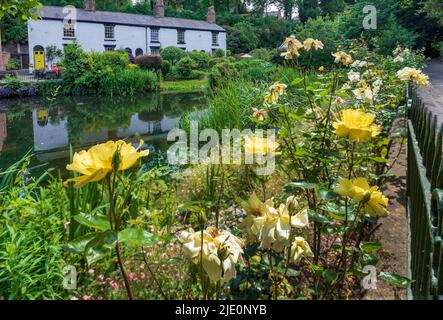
157,49
69,29
109,32
155,34
181,36
215,39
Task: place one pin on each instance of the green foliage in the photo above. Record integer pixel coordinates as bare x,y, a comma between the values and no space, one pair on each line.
52,53
262,54
128,82
172,54
229,108
13,64
13,30
242,37
389,30
185,66
31,237
255,70
105,73
201,59
327,31
222,72
118,60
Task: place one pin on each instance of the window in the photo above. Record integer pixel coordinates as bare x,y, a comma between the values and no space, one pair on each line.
69,29
215,38
155,34
138,52
109,32
155,50
109,48
128,50
181,36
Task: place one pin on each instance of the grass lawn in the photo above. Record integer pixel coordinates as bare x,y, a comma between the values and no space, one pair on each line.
184,85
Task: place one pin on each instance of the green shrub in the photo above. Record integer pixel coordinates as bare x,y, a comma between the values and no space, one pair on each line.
12,83
149,62
166,67
128,82
221,72
327,31
13,64
255,70
219,53
201,59
185,67
172,54
114,59
262,54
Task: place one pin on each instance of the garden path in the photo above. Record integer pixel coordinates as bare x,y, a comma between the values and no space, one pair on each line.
433,95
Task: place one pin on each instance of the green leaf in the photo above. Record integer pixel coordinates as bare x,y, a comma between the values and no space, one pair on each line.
136,237
370,247
292,273
96,221
78,245
394,280
302,185
101,239
314,216
368,259
330,275
379,159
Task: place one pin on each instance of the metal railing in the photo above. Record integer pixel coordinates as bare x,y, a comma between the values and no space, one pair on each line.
425,199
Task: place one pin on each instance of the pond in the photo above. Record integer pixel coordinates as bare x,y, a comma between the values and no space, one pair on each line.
49,127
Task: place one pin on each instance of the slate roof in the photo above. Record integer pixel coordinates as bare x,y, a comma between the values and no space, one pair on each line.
51,12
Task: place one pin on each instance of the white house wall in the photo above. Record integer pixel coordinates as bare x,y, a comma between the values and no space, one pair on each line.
91,37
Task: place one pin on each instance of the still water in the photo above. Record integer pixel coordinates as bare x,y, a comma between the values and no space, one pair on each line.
50,127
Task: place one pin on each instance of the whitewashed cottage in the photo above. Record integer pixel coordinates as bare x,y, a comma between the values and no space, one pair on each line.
101,31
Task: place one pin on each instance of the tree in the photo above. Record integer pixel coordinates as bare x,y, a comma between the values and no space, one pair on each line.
434,9
308,9
52,53
22,10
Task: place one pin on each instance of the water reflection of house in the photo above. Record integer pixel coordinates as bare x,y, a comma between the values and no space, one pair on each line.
47,135
51,139
3,130
148,123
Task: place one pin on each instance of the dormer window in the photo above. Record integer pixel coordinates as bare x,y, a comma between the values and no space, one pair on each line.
181,36
109,32
69,29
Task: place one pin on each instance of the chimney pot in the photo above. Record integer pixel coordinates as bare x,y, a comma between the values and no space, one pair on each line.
159,9
211,18
90,5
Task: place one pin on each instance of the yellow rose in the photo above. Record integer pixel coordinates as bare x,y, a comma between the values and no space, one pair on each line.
94,165
360,192
293,46
310,44
254,208
357,125
342,57
275,227
417,76
219,252
299,249
275,91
